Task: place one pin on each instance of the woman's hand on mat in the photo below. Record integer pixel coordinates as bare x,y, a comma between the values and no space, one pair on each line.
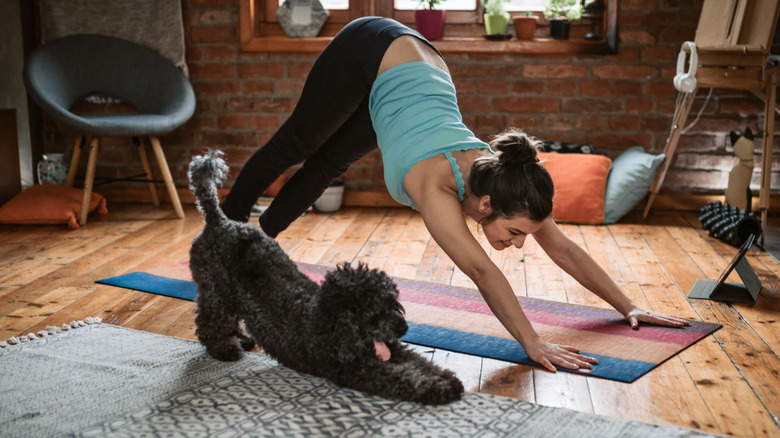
637,314
549,355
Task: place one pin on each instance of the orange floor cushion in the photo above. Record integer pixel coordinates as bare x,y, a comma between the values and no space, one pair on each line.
48,204
580,184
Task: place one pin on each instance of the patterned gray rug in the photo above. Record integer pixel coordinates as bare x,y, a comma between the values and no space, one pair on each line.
102,380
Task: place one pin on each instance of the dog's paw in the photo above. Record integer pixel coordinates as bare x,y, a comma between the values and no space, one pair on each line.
454,388
225,353
246,342
443,389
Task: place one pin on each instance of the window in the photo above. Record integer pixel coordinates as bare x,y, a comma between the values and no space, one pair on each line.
452,5
464,5
260,31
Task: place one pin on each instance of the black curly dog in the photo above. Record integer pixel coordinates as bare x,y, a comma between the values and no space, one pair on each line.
341,330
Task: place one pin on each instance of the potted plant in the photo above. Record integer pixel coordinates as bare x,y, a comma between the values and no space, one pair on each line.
495,16
525,25
561,13
430,21
331,198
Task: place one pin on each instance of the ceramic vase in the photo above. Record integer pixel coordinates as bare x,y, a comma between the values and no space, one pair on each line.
52,169
302,18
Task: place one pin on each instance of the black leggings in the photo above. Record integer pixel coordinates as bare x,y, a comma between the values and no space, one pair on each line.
330,127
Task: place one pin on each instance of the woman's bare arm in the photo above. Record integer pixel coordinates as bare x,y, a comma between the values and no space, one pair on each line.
580,265
444,219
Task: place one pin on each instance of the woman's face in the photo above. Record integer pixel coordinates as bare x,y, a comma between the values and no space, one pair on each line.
505,232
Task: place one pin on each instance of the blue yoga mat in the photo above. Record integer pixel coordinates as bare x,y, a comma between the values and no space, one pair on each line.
169,287
613,368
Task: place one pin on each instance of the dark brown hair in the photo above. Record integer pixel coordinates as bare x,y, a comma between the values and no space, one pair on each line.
518,185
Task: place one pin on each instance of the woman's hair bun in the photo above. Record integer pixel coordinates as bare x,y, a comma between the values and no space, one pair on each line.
516,147
514,178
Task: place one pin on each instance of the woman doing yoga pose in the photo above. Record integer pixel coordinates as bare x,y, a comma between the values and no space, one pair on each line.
379,83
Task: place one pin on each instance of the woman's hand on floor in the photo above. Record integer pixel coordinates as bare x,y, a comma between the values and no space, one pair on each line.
549,355
637,314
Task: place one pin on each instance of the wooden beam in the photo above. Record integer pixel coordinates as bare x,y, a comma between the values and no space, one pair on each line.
663,201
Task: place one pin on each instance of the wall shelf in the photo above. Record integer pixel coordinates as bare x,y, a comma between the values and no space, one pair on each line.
537,46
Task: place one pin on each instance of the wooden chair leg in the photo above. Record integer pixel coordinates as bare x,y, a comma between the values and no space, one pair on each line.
678,123
145,163
94,146
166,174
770,93
74,161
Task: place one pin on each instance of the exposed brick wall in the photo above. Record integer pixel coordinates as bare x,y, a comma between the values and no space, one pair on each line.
612,102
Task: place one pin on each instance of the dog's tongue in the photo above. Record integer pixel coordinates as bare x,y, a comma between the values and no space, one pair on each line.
382,352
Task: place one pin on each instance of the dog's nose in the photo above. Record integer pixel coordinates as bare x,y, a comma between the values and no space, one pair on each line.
402,328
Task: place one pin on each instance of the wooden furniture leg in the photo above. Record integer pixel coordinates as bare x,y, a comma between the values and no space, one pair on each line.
74,161
94,146
148,170
770,94
166,174
678,123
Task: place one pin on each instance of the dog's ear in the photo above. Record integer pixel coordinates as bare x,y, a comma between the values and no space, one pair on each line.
353,304
348,340
339,290
339,318
356,287
343,335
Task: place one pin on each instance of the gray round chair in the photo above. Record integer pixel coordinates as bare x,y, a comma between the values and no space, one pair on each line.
64,71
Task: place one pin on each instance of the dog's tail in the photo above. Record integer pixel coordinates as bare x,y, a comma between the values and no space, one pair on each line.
206,174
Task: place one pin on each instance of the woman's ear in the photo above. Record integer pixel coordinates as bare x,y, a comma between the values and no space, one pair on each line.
484,205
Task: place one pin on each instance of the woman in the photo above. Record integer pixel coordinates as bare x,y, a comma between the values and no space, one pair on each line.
379,82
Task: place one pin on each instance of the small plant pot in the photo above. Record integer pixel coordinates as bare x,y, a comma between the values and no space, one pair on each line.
330,200
495,24
559,29
525,26
430,22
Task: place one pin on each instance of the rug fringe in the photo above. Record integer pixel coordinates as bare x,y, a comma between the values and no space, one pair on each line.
48,331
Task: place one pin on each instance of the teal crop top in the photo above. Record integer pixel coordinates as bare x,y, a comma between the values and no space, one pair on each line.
415,115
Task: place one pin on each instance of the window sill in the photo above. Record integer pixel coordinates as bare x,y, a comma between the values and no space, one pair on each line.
536,46
257,35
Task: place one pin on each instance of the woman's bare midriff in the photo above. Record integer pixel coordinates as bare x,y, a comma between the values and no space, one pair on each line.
408,48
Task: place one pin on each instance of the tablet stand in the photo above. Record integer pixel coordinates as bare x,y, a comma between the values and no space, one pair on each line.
747,292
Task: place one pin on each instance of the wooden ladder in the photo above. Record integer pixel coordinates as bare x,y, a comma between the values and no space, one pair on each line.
733,40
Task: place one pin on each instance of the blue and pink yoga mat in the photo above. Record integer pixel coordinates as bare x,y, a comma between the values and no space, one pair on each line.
458,319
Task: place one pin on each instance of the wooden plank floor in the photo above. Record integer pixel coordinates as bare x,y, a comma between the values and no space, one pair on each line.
728,383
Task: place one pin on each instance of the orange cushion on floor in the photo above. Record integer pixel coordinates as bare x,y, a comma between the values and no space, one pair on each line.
580,184
47,204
